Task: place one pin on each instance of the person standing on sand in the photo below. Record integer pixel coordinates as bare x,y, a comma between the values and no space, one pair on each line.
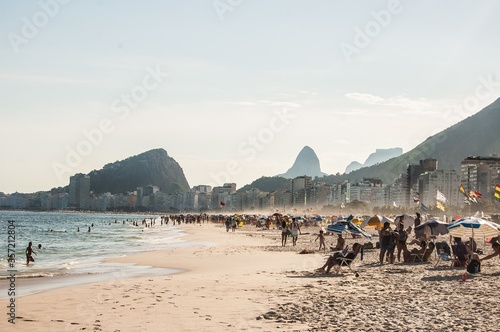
386,243
417,220
227,223
295,230
284,232
29,253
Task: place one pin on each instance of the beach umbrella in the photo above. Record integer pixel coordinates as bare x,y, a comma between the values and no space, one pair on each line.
376,221
432,227
347,226
406,219
473,227
357,221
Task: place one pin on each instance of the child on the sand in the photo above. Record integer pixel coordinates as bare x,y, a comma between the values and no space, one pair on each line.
321,238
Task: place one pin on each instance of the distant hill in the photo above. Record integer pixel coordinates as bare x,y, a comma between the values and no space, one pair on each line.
268,184
153,167
306,163
379,156
476,135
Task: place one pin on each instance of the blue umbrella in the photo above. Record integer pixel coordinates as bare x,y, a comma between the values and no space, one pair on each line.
347,226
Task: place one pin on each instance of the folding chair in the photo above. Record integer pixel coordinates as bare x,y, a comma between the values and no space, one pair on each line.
346,260
443,253
418,257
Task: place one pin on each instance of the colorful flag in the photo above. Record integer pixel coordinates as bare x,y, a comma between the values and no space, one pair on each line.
478,194
423,207
472,196
440,197
497,192
462,190
440,205
467,198
222,203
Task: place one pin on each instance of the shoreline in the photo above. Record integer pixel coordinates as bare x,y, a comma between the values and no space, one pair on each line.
248,282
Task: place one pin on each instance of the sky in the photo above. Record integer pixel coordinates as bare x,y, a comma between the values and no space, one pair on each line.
233,89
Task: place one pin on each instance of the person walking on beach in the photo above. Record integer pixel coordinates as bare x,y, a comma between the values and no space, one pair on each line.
29,253
227,223
295,230
321,238
284,232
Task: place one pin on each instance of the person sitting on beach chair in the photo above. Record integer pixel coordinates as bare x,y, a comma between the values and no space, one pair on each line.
460,253
339,259
419,255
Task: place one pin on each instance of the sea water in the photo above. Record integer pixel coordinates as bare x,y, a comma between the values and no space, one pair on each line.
69,249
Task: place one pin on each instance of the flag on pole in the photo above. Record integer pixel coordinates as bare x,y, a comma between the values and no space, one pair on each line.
472,196
497,193
440,197
440,205
478,194
222,203
467,198
423,207
462,190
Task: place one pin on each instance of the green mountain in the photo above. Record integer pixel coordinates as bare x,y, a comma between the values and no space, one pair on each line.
154,167
268,184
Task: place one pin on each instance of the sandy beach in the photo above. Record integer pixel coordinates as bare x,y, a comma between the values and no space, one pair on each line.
246,281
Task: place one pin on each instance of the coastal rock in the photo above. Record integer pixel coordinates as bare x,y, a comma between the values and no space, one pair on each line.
154,167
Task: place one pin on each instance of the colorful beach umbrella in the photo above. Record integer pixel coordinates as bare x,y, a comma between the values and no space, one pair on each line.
376,221
473,227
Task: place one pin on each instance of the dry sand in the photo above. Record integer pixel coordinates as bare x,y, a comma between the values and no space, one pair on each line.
248,282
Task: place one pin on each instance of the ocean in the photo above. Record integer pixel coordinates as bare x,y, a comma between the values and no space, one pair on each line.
65,251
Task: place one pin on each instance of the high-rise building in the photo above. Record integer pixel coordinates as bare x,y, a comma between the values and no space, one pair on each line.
79,191
481,174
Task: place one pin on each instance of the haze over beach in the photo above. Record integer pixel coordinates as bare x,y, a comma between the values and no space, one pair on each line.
223,83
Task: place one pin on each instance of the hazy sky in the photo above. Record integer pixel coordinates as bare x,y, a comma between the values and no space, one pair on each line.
233,89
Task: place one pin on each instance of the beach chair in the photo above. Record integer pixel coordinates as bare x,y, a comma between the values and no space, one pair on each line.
424,255
460,258
418,257
346,261
443,251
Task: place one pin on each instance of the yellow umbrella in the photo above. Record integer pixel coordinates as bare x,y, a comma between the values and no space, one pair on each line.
376,221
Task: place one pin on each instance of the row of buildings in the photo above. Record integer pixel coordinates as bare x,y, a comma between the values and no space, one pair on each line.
421,182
